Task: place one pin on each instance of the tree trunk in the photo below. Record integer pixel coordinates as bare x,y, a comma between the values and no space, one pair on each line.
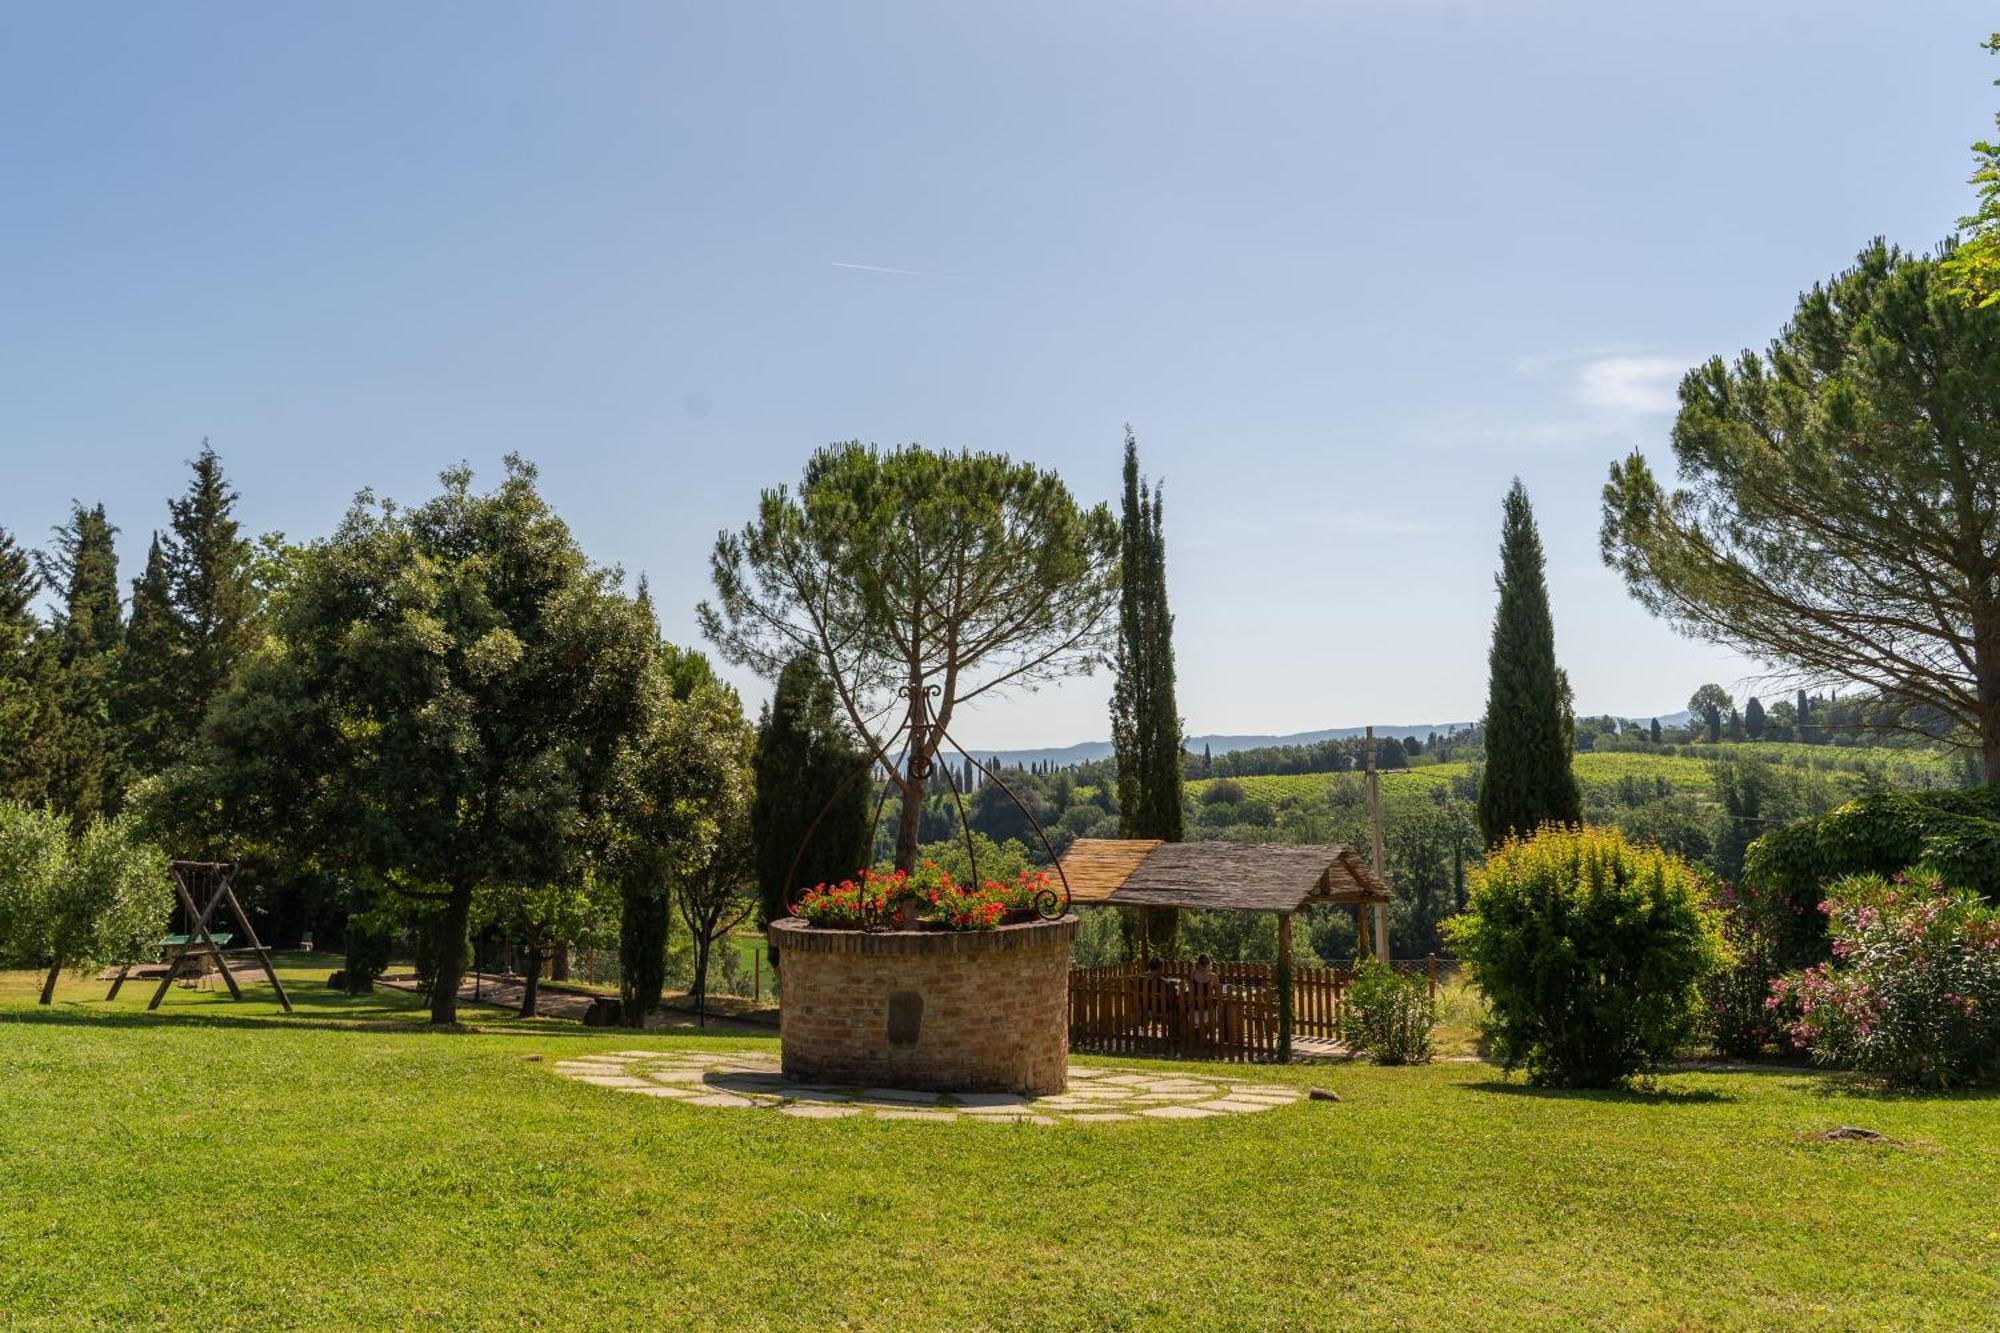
1988,682
700,992
531,988
451,956
49,986
910,823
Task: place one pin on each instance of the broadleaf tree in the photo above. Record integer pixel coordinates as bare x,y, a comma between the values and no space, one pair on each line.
922,581
67,900
1838,512
440,705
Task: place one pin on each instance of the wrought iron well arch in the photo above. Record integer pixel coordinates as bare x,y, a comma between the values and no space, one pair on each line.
1048,905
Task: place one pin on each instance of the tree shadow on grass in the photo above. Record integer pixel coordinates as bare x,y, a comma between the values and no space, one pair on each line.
1855,1087
1615,1096
330,1018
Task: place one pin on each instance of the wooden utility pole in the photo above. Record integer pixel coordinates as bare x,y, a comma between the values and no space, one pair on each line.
1375,848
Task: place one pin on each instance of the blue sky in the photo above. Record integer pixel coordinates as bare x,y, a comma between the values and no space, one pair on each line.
1346,267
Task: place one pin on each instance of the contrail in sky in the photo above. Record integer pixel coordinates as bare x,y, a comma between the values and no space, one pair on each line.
877,268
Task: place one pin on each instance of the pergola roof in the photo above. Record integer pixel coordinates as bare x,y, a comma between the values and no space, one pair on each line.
1219,876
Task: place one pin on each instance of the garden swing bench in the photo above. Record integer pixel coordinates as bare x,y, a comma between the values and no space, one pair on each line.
203,886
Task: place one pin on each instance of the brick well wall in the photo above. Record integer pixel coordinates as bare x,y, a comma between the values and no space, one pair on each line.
948,1011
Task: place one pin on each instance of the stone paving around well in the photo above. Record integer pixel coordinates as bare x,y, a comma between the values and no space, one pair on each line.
751,1080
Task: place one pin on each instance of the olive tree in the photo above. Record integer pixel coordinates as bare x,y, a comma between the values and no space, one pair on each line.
99,897
921,580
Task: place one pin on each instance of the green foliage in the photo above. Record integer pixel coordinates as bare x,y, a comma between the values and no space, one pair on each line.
146,699
1957,833
440,705
808,768
72,900
30,726
1389,1016
1912,994
1836,514
1528,725
194,619
1972,268
1146,736
911,571
1591,953
681,841
85,779
1002,861
1146,731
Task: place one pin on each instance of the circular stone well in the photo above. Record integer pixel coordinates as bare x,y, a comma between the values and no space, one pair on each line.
939,1010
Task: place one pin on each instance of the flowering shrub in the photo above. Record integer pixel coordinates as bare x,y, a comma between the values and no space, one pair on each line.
927,895
1591,952
1389,1017
1913,992
1757,925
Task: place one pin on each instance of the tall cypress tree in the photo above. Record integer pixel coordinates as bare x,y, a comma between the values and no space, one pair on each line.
1145,715
804,755
29,722
213,594
146,703
1527,780
82,567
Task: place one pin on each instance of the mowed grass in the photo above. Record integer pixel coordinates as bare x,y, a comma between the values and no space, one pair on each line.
222,1165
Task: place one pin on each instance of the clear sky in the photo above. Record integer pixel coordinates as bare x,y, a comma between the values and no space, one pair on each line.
1346,267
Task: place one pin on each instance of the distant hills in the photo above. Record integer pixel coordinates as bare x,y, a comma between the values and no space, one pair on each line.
1084,752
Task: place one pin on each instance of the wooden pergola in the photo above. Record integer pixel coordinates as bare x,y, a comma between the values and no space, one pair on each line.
1282,879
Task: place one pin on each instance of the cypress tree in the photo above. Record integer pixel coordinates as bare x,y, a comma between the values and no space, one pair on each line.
1753,718
146,700
29,724
82,568
804,754
1654,731
214,598
1145,714
1527,781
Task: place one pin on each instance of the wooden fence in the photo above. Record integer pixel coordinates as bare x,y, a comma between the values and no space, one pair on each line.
1128,1009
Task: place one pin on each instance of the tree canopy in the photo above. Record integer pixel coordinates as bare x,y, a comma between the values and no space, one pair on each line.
921,580
441,703
1839,507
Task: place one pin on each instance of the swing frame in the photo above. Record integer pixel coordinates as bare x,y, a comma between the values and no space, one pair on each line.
218,877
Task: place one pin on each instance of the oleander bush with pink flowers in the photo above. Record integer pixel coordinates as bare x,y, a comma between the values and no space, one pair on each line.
1912,993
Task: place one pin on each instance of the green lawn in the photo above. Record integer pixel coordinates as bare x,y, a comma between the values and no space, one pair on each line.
219,1165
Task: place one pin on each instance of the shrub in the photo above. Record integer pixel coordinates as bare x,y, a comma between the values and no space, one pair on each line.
1739,1021
102,897
1389,1016
1956,833
1591,953
1912,995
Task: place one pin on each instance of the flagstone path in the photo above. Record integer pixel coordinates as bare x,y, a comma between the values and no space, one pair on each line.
751,1080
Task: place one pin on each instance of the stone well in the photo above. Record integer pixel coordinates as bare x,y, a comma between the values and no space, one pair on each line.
944,1011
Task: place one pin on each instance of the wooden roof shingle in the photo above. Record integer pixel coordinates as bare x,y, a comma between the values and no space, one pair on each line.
1218,876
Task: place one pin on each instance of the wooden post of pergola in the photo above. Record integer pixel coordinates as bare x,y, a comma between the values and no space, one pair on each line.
1282,976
